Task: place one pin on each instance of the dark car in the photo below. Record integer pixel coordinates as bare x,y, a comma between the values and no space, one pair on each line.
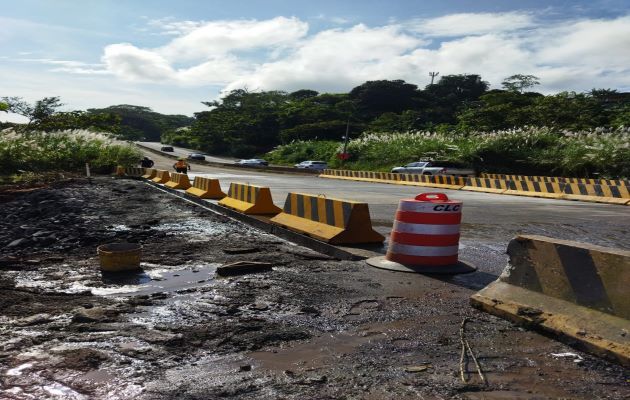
196,156
167,148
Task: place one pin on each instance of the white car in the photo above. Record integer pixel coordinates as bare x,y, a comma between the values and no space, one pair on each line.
253,162
316,165
435,168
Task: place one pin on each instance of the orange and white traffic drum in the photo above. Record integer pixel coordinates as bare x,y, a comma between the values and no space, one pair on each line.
425,236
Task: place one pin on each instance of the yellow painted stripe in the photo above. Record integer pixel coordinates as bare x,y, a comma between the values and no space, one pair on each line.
338,212
293,200
321,209
307,207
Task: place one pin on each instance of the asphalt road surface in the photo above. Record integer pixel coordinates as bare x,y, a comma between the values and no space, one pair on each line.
489,220
184,152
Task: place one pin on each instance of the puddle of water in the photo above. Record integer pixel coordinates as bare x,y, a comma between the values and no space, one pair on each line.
64,392
196,226
319,352
17,371
155,281
119,228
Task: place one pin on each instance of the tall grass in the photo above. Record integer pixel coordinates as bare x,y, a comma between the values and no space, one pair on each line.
526,150
62,151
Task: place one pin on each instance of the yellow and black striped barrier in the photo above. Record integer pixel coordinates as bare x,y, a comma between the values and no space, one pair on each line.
487,185
206,188
597,193
149,173
557,179
129,171
612,191
549,190
591,181
250,199
331,220
178,181
161,176
134,171
575,290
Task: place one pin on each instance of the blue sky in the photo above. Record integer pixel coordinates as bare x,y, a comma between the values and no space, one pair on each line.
171,55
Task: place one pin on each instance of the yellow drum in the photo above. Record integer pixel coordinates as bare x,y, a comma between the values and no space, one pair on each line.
117,257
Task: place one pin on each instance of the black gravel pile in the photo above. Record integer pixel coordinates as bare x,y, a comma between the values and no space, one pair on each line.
52,220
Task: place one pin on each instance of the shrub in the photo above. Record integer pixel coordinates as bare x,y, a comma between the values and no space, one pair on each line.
62,151
528,150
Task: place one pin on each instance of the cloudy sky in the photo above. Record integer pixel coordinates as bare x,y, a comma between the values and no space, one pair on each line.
171,55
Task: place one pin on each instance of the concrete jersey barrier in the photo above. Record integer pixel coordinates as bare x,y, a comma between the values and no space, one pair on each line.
250,199
206,188
550,190
597,193
487,185
161,176
571,289
149,173
178,181
331,220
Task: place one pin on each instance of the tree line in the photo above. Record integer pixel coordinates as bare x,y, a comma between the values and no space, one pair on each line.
125,121
244,123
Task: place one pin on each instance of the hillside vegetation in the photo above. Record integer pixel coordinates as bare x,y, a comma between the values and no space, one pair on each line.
395,122
529,151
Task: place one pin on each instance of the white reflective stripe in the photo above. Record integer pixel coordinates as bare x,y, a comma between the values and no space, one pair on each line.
426,229
423,251
426,207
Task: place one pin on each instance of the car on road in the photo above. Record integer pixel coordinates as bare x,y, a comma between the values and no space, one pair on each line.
253,162
196,156
317,165
167,148
436,168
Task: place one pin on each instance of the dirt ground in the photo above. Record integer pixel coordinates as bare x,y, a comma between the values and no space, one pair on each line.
312,328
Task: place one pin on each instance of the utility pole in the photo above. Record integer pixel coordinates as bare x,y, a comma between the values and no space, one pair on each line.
433,75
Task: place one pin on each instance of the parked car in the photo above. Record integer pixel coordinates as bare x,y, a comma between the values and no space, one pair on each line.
167,148
196,156
435,168
317,165
253,162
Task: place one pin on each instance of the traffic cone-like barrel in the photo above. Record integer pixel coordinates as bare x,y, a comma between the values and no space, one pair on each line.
425,236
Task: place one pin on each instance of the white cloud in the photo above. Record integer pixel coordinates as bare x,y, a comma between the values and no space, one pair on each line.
600,43
279,53
220,37
494,45
74,67
134,64
335,60
472,24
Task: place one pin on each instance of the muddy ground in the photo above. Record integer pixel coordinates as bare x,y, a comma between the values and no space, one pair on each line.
312,328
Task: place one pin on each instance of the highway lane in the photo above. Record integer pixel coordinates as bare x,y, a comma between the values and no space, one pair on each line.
489,220
184,152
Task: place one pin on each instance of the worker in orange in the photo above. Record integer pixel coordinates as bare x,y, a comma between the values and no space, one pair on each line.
181,166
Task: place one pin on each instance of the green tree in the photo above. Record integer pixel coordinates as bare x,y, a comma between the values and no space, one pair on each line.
241,124
497,109
374,98
35,113
142,123
441,101
567,110
519,82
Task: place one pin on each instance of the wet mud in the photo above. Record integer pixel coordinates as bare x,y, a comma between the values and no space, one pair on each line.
311,328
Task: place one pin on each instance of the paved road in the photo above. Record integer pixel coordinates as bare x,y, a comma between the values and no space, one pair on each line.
489,220
183,152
